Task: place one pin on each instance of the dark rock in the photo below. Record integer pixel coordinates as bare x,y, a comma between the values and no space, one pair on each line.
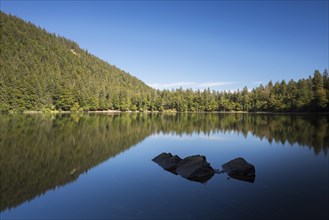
167,161
240,169
195,168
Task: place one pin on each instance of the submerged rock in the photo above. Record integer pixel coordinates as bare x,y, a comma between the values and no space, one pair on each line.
240,169
195,168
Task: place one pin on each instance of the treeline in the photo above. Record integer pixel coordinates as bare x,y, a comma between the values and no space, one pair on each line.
42,71
305,95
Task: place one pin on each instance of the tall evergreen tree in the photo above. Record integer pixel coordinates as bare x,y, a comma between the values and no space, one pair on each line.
320,98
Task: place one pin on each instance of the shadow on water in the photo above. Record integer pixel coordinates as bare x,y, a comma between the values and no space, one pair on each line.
42,152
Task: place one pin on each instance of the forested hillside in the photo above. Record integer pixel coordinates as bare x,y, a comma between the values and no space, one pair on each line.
42,71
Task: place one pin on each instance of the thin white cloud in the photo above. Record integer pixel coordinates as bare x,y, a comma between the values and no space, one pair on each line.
216,84
257,82
190,85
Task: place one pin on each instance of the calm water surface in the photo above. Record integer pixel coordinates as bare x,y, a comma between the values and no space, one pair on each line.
100,166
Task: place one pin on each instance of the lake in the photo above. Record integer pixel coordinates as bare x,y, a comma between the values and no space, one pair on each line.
99,166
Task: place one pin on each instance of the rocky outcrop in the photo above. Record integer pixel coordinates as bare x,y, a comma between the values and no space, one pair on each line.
167,161
240,169
195,168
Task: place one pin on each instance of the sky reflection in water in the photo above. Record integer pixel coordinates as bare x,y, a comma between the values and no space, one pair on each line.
115,176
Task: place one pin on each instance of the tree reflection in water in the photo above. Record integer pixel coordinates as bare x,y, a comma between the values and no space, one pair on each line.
41,152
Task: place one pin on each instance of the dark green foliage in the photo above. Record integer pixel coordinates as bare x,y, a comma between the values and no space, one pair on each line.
306,95
41,71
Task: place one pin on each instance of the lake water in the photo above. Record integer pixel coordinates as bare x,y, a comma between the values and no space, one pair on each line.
99,166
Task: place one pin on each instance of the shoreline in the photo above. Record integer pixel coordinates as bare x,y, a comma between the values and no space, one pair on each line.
167,112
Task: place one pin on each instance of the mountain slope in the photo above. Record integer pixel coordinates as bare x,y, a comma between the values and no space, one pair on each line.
40,71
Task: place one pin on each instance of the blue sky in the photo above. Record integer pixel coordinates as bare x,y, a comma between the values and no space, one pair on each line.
223,45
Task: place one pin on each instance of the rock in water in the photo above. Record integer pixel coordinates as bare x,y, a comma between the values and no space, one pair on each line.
240,169
195,168
167,161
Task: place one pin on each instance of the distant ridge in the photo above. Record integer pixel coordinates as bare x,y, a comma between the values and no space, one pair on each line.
42,71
